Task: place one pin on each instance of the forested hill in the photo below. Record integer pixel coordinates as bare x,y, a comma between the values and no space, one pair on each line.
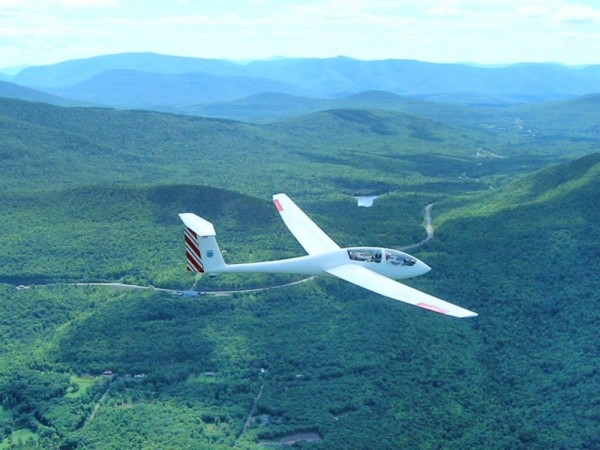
93,195
341,150
324,358
575,182
533,249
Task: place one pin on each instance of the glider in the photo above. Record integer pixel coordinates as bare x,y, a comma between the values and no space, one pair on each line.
373,268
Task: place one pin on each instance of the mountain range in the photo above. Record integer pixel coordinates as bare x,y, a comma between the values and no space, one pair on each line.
199,86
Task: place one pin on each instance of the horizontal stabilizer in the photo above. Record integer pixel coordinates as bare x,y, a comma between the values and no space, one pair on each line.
200,226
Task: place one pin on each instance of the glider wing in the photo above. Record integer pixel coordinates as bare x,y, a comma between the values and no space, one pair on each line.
309,235
383,285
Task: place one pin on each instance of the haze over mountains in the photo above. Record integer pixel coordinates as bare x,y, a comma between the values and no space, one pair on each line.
208,86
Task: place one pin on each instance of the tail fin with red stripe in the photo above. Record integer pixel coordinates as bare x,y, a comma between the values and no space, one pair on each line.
201,247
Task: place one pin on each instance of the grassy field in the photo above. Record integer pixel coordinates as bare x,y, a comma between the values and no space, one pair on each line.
84,383
21,437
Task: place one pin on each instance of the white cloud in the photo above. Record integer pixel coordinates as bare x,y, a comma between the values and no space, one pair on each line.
87,3
13,4
533,11
50,5
444,10
578,13
436,30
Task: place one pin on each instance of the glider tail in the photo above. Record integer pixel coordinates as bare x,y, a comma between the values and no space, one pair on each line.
201,247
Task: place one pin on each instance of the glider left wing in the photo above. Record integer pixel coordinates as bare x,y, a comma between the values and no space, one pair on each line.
309,235
385,286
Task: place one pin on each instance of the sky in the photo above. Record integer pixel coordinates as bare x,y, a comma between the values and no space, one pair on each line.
36,32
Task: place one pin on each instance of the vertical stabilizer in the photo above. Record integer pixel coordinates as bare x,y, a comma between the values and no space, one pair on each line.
192,251
201,247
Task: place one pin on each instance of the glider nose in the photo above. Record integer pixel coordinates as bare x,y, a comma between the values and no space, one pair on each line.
422,268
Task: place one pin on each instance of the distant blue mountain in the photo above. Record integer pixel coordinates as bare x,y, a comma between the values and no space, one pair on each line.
73,72
413,78
268,107
172,82
11,90
135,89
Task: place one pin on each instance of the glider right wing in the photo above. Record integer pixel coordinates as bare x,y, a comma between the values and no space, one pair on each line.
309,235
387,287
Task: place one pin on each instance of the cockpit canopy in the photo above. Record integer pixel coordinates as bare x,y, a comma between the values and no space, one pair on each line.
366,254
377,255
398,258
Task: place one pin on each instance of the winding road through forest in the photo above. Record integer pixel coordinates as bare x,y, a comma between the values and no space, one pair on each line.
428,224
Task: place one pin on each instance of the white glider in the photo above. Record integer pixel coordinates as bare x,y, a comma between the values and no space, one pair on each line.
372,268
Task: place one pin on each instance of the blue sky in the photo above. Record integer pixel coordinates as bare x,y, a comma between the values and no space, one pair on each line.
34,32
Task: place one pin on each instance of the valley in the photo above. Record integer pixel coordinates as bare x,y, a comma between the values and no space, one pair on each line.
91,195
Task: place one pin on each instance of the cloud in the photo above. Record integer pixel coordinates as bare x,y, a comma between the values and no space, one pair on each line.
88,3
578,14
13,4
44,6
533,11
444,10
436,30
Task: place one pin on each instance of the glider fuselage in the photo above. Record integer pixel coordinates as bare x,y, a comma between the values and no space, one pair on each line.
388,262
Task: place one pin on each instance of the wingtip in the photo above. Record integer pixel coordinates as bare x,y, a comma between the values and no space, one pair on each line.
280,200
461,313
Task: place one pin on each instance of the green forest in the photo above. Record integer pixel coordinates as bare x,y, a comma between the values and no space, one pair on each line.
92,195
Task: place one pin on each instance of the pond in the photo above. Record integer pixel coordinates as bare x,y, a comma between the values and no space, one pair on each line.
366,201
